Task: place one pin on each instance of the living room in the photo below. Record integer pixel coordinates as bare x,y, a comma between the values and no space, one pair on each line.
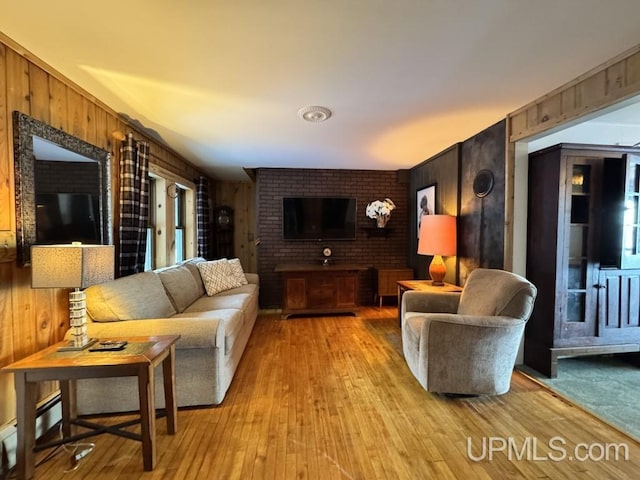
33,319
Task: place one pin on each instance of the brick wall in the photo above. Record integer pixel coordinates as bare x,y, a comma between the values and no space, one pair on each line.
67,177
374,252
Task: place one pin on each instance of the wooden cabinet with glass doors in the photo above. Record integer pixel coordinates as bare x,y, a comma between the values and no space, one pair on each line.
621,201
582,251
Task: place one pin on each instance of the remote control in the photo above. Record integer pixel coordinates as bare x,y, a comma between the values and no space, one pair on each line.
109,345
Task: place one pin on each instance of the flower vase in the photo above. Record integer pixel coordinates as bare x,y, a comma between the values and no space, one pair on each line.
381,221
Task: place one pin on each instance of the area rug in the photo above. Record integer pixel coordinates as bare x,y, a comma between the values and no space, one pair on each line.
607,386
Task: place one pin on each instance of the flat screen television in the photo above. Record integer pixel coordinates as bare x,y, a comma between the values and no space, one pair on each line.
319,218
67,217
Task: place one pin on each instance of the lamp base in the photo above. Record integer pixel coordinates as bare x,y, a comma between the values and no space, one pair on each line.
78,321
437,271
72,347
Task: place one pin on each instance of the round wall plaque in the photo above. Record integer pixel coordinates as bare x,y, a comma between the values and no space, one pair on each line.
483,183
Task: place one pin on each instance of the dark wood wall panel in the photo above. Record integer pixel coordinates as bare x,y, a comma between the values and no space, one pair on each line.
481,224
480,220
440,170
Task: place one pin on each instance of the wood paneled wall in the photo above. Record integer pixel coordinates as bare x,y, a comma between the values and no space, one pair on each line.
32,319
241,196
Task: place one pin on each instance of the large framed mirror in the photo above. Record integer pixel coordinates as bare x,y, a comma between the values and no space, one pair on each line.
63,188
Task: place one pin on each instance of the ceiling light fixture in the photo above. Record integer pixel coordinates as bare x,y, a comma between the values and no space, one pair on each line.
314,114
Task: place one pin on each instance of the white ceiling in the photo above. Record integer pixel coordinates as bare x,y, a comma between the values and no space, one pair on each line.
221,82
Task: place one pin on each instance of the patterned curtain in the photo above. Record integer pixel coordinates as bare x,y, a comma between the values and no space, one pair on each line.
134,205
202,216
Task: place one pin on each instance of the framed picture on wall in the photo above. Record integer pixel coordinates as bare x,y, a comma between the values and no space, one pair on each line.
425,203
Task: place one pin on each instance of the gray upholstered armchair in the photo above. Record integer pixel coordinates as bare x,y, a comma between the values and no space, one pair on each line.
467,343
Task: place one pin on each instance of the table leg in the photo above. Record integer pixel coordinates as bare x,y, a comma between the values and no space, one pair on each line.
26,395
169,377
147,416
69,410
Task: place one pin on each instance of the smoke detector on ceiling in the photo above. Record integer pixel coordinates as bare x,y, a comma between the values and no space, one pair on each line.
314,114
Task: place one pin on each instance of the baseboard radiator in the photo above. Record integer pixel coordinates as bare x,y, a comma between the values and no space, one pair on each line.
48,415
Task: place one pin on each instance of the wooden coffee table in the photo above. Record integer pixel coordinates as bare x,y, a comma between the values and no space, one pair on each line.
139,359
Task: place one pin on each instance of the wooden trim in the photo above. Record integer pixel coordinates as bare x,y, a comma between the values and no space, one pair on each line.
170,176
603,66
165,216
509,201
614,81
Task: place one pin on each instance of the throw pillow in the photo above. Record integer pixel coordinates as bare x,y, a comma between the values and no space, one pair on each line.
216,276
237,272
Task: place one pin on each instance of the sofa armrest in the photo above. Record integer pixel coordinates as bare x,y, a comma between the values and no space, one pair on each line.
194,332
252,278
436,302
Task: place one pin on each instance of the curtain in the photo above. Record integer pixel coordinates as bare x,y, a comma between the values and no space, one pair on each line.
202,216
134,205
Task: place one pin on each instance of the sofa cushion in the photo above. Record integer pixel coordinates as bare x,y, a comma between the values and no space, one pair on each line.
250,288
134,297
180,286
252,278
231,318
216,276
217,302
192,265
237,272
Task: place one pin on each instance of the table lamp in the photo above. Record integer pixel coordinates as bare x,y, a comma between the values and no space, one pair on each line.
437,238
72,266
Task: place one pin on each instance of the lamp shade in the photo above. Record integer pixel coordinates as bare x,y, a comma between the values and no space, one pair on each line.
71,266
437,235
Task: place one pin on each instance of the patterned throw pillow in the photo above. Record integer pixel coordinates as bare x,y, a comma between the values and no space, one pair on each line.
216,276
237,272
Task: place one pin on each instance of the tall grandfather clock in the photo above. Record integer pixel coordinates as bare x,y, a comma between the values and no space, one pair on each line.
223,227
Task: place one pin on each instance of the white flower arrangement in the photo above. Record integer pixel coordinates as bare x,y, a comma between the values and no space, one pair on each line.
380,210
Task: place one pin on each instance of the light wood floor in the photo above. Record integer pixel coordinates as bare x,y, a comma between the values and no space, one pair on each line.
332,398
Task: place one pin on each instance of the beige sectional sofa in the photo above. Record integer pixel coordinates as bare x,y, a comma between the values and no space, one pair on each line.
214,332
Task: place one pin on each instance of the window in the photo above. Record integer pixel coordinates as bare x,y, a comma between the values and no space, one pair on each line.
179,214
171,234
149,257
